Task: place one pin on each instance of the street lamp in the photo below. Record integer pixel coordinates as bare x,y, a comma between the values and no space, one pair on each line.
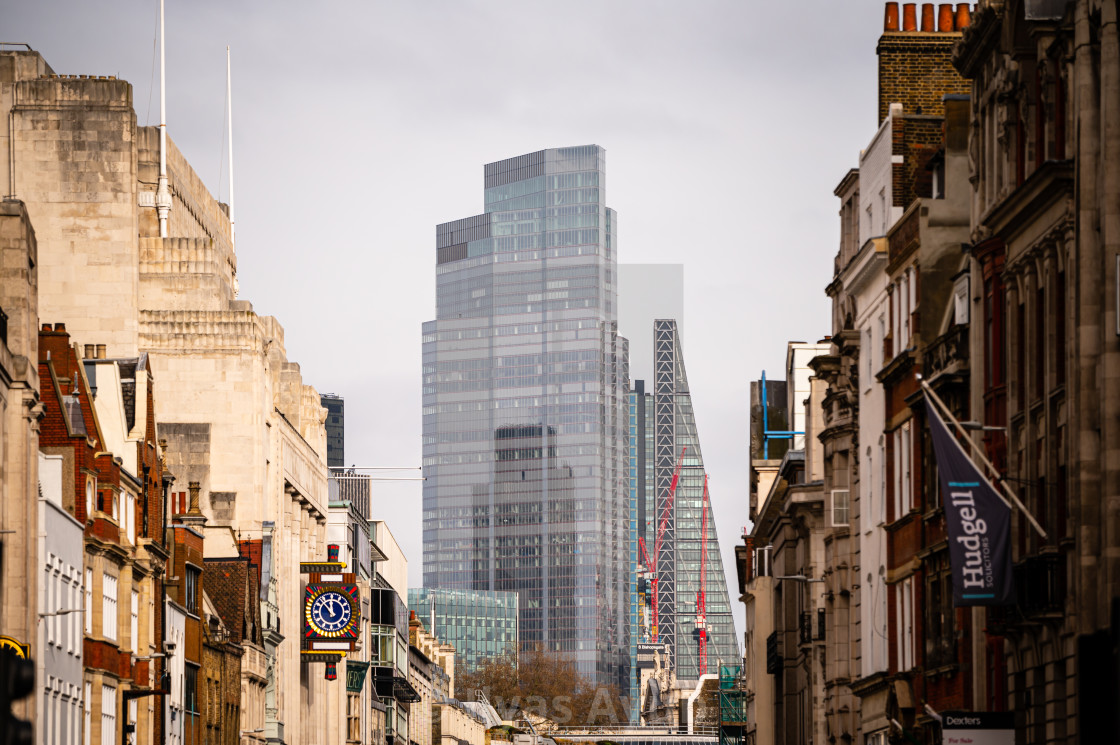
799,578
62,612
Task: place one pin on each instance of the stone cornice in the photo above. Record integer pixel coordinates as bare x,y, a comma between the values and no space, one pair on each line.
868,263
901,363
1044,187
977,39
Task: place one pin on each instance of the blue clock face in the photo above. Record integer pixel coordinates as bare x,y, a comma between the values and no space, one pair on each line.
331,612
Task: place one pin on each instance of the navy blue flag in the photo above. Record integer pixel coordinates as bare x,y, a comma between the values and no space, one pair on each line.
978,521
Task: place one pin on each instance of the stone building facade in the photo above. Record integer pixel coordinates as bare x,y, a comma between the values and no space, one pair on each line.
87,174
789,530
20,416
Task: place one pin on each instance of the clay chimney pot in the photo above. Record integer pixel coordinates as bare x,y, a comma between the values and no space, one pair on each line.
100,351
89,351
927,18
945,18
47,327
890,20
909,17
60,327
964,16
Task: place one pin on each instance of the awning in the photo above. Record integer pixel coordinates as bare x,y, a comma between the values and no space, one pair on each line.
404,692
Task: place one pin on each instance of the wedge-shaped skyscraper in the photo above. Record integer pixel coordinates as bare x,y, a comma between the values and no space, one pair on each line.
525,402
663,424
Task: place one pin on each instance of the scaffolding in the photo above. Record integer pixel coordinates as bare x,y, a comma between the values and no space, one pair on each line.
732,706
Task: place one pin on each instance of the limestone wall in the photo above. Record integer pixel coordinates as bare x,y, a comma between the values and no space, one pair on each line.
195,213
75,167
184,274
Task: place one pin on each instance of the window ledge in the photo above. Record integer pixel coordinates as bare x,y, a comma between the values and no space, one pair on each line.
946,670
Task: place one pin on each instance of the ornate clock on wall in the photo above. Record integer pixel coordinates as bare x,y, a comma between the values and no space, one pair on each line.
331,611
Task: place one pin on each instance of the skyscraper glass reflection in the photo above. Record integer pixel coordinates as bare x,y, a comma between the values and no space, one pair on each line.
525,409
481,624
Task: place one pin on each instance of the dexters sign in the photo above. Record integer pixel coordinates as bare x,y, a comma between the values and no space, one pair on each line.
978,522
977,728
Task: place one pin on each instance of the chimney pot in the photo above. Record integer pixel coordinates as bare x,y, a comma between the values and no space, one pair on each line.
47,327
927,18
964,16
909,17
89,351
194,487
60,327
945,18
890,20
100,351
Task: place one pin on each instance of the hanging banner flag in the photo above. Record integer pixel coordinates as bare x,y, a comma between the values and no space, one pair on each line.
978,521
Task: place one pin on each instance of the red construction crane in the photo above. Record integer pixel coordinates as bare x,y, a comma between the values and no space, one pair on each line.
651,567
701,604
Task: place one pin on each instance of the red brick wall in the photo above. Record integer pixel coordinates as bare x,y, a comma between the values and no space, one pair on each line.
916,139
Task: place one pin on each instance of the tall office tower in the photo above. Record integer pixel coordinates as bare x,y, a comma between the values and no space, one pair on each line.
336,429
525,400
662,423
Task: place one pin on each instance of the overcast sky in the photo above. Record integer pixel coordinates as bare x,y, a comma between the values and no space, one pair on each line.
360,126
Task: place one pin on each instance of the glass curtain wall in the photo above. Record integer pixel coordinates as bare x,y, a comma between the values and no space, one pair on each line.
480,624
525,401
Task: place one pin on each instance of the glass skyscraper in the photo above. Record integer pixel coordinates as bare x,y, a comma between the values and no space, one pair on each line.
479,623
662,422
525,409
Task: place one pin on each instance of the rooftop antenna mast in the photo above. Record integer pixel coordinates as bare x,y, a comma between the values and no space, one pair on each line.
163,194
229,125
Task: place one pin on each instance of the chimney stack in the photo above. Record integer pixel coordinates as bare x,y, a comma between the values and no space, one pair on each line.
194,488
927,18
915,67
909,17
890,20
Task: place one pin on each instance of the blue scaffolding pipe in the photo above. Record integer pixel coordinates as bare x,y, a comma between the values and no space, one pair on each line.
771,434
